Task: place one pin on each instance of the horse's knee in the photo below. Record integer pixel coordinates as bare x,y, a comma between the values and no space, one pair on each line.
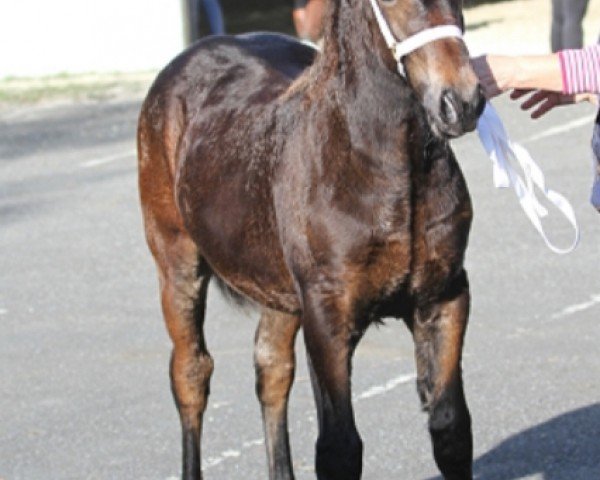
445,416
273,383
339,457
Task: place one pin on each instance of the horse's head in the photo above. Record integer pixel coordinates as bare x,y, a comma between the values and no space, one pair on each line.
425,39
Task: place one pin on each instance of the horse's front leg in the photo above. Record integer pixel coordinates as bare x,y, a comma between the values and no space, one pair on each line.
439,328
330,339
275,362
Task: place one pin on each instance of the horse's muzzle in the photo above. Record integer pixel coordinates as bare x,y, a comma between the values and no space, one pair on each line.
458,116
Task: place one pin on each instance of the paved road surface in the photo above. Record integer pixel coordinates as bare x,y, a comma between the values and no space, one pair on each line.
84,390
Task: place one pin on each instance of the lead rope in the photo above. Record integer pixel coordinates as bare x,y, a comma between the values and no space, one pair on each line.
503,153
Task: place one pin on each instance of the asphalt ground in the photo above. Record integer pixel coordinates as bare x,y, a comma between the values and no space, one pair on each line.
84,390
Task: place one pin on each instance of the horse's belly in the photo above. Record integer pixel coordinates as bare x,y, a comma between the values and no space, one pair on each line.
233,225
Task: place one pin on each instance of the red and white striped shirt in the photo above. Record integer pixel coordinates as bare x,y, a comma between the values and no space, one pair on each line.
581,70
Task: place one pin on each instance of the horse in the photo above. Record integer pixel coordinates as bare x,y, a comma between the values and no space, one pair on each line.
320,188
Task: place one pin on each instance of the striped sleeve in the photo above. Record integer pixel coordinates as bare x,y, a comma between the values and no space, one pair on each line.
580,70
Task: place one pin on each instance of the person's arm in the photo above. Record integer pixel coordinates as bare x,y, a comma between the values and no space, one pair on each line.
580,70
498,73
298,17
309,20
564,78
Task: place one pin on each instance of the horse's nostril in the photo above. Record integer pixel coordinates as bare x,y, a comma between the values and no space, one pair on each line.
449,111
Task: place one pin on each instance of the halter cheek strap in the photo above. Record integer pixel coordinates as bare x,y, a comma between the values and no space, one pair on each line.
410,44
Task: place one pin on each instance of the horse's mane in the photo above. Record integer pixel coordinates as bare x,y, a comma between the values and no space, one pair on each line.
341,53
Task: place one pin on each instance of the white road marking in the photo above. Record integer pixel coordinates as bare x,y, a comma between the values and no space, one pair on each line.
231,453
578,307
383,389
377,390
567,127
214,461
217,405
108,159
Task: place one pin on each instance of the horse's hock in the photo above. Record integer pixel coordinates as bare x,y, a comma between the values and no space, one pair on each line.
321,188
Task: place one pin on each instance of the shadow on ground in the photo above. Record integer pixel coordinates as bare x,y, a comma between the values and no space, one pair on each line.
566,447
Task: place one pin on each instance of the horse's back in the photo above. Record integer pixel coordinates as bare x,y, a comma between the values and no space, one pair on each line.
216,78
280,52
233,62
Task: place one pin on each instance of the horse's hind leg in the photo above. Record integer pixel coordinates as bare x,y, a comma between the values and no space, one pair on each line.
183,275
184,281
274,361
438,329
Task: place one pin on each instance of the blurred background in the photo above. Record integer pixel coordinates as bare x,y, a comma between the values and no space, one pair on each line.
84,390
39,38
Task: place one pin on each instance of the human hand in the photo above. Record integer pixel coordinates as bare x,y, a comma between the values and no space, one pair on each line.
494,73
499,73
542,101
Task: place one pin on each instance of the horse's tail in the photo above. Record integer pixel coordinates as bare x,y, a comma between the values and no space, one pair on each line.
230,294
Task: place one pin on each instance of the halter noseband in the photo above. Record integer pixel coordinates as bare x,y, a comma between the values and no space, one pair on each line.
410,44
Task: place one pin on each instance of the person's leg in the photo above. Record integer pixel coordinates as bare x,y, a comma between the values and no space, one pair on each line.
572,28
193,7
299,17
557,25
214,14
315,13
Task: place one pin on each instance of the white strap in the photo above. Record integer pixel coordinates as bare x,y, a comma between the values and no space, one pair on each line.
388,36
503,153
410,44
423,38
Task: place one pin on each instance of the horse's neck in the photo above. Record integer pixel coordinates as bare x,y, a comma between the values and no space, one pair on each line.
376,105
357,70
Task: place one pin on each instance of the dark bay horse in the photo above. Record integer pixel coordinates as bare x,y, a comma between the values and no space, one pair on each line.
321,188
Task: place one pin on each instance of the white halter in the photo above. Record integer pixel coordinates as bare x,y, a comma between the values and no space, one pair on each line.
410,44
